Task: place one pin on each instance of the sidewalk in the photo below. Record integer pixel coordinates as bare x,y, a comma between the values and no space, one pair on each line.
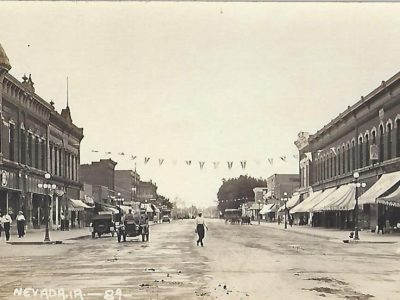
335,234
36,236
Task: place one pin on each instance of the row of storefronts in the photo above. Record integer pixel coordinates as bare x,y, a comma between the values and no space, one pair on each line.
350,168
39,154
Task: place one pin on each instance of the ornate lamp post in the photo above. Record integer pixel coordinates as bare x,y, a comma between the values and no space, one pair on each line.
47,188
356,175
285,199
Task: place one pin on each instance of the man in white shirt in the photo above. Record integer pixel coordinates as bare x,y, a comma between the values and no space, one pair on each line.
200,224
6,220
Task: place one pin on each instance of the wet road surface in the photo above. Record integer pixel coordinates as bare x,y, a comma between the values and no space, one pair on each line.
237,262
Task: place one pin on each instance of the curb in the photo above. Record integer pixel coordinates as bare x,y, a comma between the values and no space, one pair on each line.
36,243
368,242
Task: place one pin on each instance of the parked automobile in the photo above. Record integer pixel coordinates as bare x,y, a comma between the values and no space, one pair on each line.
102,224
166,218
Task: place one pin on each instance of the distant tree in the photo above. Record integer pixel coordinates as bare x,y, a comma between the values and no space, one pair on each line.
164,201
235,191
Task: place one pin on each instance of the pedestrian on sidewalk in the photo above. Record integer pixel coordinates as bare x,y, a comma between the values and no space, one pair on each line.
200,226
62,217
20,224
7,225
291,219
1,222
381,223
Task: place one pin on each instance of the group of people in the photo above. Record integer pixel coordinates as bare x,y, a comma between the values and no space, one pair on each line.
6,222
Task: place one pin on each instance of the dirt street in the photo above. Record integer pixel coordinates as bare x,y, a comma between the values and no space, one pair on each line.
237,262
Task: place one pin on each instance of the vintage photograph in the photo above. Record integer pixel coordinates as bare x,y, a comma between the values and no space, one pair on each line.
199,150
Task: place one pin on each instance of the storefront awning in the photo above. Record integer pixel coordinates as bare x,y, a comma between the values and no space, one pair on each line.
343,198
105,208
125,208
293,201
386,182
300,207
311,203
267,208
77,205
392,199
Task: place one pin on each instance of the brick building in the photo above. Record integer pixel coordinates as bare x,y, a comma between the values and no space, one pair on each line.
278,184
126,183
35,139
364,139
100,174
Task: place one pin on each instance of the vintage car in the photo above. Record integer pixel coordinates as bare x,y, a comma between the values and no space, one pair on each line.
102,224
166,218
234,216
133,225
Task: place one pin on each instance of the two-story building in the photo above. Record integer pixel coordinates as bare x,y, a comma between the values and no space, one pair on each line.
360,146
35,140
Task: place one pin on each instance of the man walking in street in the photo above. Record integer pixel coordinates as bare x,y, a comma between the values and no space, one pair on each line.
200,224
6,220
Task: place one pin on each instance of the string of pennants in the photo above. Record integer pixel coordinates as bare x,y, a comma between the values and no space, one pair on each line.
215,164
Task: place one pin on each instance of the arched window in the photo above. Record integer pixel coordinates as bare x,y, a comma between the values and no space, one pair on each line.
337,161
348,157
353,154
332,170
343,160
360,152
367,162
398,137
381,145
389,141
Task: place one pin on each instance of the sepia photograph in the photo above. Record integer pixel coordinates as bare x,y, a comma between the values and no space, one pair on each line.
199,150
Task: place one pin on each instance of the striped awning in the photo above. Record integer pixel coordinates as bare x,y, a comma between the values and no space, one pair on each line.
392,199
386,182
77,205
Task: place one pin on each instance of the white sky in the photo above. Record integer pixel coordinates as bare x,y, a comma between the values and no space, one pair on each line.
201,81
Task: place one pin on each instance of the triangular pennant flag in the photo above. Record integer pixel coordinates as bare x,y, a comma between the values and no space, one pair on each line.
271,161
283,158
216,164
121,153
230,164
160,161
95,150
146,160
201,163
133,157
243,164
188,162
108,153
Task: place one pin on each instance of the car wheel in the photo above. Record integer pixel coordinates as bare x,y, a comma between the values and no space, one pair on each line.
143,237
147,237
112,234
99,234
124,237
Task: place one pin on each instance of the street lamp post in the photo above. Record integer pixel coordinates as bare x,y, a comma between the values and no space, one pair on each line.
286,210
259,210
47,187
356,175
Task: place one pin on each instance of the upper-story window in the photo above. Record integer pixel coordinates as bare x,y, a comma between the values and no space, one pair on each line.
360,152
55,160
353,154
43,155
381,144
36,165
398,137
11,141
343,159
30,149
389,140
23,146
348,157
367,161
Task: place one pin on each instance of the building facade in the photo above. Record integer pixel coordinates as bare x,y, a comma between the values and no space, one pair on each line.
364,139
278,184
31,129
99,173
126,183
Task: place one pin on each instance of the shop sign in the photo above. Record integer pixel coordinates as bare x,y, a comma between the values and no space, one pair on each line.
373,152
